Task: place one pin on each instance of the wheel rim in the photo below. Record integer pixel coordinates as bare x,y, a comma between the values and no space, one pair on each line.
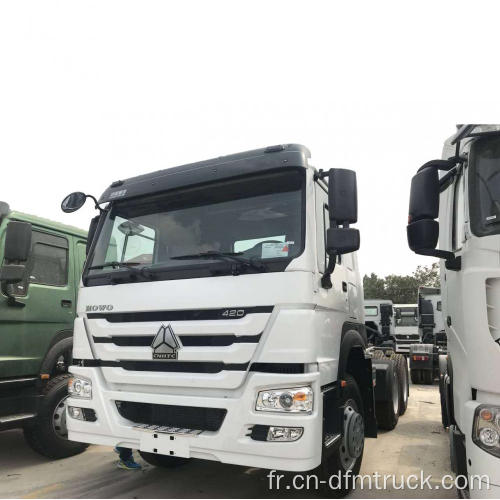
353,438
395,395
59,419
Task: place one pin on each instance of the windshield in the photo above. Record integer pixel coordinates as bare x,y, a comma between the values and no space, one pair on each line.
485,186
203,231
371,310
406,316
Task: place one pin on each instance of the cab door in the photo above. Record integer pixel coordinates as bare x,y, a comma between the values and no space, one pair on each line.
47,293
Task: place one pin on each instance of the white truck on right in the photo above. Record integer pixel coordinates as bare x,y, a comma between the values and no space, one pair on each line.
462,190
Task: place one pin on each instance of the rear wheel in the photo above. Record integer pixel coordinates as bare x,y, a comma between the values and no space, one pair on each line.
49,435
345,460
387,411
163,460
404,386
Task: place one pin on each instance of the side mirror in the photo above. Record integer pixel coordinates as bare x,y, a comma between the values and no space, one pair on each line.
423,230
17,250
342,196
398,313
342,240
424,195
423,236
73,202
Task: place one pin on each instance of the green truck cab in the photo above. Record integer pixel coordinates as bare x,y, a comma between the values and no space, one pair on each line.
41,263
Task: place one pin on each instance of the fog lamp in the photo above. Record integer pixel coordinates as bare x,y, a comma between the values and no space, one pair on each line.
75,412
284,433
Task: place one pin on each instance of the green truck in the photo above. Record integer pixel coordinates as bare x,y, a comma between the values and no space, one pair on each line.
41,262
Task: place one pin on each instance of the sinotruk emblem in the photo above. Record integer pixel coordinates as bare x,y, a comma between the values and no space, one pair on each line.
165,344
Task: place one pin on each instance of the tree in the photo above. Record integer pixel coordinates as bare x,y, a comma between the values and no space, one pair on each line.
401,289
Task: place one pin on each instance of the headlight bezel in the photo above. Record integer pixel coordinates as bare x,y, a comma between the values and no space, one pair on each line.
480,424
273,400
80,387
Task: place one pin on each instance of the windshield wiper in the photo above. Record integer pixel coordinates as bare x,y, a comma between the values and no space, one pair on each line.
226,256
115,265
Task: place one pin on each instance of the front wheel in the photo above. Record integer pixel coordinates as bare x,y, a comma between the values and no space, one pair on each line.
338,466
163,460
49,435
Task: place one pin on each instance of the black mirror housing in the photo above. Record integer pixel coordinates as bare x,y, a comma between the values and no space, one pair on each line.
340,240
17,241
342,196
73,202
424,195
423,235
12,273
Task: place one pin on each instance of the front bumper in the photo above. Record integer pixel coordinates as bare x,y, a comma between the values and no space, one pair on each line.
230,444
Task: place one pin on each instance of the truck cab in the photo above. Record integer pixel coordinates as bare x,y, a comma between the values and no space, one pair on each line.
221,317
379,321
454,201
406,328
42,262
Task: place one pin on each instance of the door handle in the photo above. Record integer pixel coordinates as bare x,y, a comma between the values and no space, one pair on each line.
344,286
66,303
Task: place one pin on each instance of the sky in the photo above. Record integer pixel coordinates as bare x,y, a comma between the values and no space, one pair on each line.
96,91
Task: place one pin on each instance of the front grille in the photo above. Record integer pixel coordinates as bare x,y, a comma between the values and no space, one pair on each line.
186,340
192,417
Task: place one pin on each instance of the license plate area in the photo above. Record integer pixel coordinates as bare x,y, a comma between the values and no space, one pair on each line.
171,441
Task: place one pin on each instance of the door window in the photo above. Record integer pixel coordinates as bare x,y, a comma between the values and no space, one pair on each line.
458,233
47,265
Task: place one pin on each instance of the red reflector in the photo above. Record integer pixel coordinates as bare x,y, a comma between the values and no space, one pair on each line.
420,358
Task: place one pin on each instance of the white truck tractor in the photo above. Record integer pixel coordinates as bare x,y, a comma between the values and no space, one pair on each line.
406,328
463,191
220,317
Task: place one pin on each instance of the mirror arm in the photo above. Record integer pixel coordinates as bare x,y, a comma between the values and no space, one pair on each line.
326,281
452,261
96,203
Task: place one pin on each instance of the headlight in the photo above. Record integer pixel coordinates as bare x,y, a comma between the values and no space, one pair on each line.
486,433
299,399
80,388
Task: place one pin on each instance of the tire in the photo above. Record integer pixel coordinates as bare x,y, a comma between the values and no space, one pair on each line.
404,385
163,460
336,463
442,396
387,412
46,435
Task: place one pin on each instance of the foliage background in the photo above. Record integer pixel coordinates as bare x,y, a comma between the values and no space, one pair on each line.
401,289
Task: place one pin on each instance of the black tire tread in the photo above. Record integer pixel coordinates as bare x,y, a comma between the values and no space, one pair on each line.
402,370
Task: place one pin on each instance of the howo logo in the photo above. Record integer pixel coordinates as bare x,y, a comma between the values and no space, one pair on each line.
99,308
165,344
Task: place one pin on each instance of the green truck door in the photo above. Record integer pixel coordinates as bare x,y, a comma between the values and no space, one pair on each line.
49,295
